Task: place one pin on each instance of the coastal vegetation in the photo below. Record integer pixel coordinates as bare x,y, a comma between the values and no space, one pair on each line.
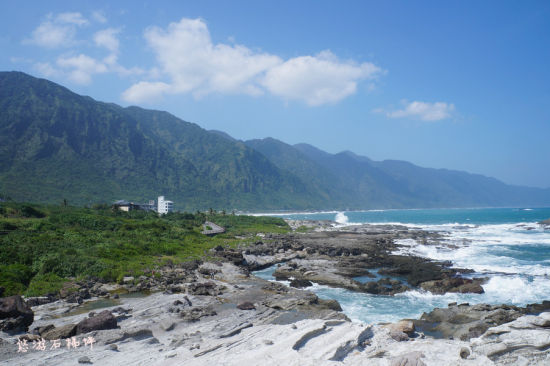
42,246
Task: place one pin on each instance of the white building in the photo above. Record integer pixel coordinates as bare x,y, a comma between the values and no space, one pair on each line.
164,206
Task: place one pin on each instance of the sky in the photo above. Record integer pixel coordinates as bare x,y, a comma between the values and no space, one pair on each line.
460,85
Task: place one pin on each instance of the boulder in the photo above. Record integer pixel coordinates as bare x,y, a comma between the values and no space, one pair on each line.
203,288
464,321
15,314
300,283
103,320
43,329
457,284
330,304
84,359
40,300
247,305
404,326
29,337
194,314
66,331
275,287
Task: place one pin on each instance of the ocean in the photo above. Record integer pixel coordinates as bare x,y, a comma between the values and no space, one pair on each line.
505,244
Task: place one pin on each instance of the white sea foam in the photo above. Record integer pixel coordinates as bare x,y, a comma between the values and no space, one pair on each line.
341,218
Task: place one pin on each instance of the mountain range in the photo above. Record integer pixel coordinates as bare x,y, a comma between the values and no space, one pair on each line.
56,145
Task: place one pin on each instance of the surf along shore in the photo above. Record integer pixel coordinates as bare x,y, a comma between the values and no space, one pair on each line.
218,312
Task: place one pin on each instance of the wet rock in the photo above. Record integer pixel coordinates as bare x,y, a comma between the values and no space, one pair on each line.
247,305
464,321
103,320
300,283
330,304
15,314
416,270
460,285
275,287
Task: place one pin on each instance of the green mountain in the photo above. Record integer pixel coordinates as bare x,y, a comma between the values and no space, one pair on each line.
357,182
400,184
55,145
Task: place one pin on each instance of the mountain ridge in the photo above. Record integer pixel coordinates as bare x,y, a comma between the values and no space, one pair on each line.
56,144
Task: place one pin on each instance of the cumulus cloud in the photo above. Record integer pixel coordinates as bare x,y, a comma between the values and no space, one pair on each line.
81,68
186,54
52,35
192,63
145,90
58,31
424,111
317,79
108,39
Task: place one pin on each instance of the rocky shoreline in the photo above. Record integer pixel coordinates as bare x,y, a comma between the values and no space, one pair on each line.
216,312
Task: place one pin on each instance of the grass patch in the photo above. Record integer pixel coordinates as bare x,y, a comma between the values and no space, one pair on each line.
43,284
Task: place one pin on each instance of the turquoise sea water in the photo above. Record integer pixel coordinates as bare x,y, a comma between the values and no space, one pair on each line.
505,244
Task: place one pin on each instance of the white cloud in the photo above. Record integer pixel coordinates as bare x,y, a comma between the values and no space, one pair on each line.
192,63
424,111
145,91
52,35
57,31
317,79
81,68
107,38
46,69
71,18
187,55
99,17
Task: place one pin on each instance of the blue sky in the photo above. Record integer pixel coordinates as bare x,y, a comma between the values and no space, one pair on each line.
445,84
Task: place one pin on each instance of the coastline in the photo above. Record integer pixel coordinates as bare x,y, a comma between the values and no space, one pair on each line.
218,313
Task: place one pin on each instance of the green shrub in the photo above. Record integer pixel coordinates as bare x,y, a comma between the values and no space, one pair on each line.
14,278
29,211
43,284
